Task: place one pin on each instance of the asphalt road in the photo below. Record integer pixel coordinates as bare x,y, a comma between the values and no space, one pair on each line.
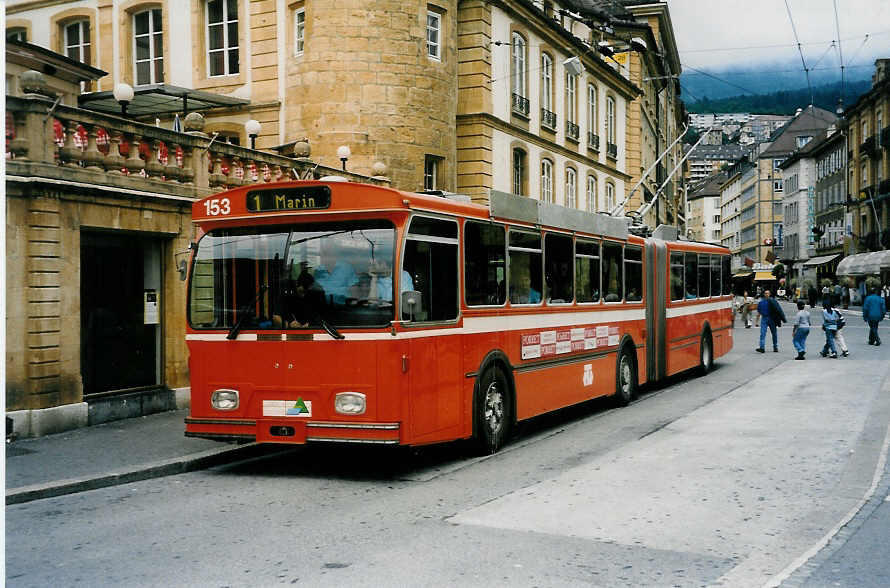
761,473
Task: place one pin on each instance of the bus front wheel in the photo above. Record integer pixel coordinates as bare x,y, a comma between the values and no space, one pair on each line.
625,378
493,410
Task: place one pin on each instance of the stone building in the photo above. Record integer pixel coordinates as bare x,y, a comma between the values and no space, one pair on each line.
98,211
703,210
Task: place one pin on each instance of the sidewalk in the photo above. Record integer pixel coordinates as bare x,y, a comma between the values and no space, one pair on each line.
112,453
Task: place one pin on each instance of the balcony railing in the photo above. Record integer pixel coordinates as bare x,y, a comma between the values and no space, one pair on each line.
868,146
572,130
548,119
593,141
520,105
89,147
612,150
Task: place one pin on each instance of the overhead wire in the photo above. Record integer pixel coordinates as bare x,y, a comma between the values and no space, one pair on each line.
800,50
840,54
776,46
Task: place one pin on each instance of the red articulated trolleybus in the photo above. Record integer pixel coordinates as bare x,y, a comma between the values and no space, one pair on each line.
337,311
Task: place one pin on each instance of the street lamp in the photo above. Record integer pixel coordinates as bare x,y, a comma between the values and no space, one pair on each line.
123,93
252,128
343,153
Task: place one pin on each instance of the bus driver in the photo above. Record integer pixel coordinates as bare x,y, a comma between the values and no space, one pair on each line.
336,276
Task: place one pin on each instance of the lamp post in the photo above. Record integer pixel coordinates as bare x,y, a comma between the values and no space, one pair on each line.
252,128
343,153
123,93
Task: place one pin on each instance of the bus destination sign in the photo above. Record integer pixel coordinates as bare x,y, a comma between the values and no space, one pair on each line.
281,199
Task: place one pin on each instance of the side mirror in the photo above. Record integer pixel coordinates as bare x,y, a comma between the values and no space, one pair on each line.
410,304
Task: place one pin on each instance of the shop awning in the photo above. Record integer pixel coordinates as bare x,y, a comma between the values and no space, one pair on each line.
764,276
863,264
742,274
820,260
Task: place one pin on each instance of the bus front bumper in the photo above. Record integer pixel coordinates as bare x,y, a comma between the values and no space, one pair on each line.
292,431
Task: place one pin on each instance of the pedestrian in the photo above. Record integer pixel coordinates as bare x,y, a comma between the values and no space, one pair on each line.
839,340
826,294
771,316
886,294
811,295
801,329
829,325
758,297
746,309
873,311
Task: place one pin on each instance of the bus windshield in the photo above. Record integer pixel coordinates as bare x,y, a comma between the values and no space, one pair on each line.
305,276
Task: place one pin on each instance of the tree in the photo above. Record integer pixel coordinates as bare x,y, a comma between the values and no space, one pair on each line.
779,271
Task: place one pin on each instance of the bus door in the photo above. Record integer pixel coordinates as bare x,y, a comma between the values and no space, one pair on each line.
656,302
430,310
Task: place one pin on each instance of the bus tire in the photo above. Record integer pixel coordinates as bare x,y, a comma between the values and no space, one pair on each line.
625,377
706,354
493,410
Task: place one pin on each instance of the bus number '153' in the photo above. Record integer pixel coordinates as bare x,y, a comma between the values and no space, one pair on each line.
217,206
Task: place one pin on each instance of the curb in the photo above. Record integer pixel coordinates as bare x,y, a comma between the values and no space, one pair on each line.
158,469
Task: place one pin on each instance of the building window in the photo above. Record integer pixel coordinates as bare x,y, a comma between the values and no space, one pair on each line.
610,127
778,184
546,181
148,47
879,125
593,139
547,82
592,204
77,41
430,172
299,31
222,37
571,98
610,196
434,35
519,172
864,129
518,45
863,177
571,188
803,140
17,34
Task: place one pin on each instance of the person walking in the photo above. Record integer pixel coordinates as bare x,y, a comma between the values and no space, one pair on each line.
886,294
829,325
801,330
839,340
771,316
873,311
746,309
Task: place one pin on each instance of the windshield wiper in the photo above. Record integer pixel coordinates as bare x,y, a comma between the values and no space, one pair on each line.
329,328
233,332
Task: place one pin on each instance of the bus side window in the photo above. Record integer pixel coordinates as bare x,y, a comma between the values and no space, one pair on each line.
525,267
715,275
558,268
727,275
704,276
633,274
485,264
587,271
677,275
431,262
691,276
613,282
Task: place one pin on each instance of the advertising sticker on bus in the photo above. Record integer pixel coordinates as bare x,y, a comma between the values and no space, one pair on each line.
550,343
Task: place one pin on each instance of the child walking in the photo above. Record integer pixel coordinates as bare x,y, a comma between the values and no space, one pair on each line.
801,329
829,325
839,336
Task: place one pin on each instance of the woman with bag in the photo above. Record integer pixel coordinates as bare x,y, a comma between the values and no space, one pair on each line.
829,325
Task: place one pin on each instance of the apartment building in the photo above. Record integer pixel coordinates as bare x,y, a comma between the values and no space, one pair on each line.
830,221
705,160
730,226
703,210
798,190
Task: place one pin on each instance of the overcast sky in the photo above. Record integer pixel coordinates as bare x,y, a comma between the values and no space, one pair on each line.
713,34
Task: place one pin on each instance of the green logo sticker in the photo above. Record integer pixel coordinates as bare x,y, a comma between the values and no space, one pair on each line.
298,408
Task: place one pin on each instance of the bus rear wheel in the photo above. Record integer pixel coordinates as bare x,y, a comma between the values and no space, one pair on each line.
493,410
625,378
706,355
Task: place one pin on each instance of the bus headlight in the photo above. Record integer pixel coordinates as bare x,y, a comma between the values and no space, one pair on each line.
349,403
224,399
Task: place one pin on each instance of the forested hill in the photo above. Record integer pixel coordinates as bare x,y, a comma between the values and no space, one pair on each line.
784,101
